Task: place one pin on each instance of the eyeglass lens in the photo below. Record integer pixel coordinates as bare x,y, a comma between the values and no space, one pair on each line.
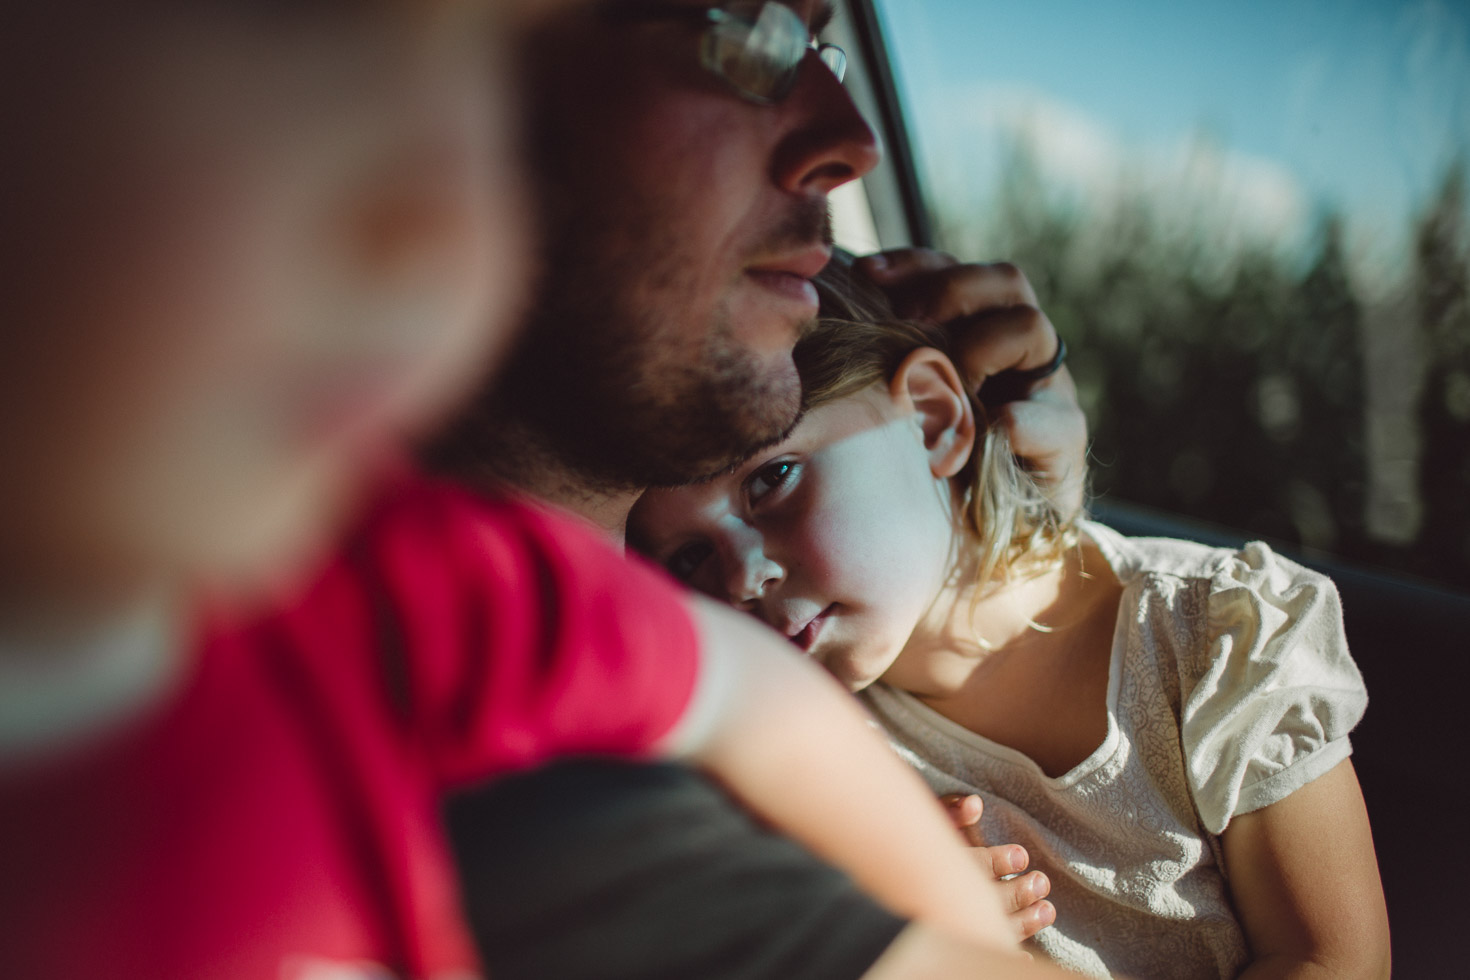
759,47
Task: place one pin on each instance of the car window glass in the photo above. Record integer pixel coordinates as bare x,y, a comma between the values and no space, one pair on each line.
1249,220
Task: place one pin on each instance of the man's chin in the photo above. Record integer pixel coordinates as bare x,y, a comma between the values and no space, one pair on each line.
690,466
735,411
734,460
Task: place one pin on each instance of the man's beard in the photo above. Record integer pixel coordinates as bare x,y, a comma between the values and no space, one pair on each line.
592,381
596,378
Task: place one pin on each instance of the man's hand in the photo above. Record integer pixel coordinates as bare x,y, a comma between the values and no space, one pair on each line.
1024,896
996,324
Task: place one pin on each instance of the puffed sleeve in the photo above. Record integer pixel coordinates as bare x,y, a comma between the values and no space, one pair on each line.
1270,693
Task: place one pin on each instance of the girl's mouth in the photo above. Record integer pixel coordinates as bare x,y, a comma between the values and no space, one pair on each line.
806,637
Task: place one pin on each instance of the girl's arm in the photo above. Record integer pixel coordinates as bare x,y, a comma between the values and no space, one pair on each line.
1304,879
796,749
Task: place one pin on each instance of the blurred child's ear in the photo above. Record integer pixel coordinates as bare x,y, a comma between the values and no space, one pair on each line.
927,382
416,200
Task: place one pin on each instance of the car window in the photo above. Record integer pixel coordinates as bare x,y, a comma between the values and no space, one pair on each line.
1250,222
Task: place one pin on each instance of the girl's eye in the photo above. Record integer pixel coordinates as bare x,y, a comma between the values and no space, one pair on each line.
683,563
769,478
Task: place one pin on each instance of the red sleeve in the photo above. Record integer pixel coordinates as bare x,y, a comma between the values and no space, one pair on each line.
507,634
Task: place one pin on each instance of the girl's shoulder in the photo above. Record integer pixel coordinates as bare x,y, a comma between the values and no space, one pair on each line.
1225,609
1267,688
1212,605
1253,566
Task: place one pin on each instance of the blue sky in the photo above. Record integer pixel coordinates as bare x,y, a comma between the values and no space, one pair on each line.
1358,103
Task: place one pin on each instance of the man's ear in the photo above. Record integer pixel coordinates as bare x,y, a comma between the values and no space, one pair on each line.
928,383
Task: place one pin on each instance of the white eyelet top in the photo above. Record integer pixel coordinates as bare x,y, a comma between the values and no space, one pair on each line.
1230,686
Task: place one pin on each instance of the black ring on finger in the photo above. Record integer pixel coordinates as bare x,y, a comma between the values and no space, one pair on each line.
1015,384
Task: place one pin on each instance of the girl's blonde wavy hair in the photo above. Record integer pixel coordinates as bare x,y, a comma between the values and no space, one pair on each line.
858,342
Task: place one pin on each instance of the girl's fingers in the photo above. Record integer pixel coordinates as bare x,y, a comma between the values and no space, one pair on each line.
1029,921
1024,900
1008,859
964,811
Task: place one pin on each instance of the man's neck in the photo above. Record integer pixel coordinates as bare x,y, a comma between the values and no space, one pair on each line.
519,458
606,510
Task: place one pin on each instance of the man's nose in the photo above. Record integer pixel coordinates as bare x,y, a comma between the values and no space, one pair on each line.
829,142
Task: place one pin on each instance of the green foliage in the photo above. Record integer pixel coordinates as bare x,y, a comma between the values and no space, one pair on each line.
1228,381
1442,287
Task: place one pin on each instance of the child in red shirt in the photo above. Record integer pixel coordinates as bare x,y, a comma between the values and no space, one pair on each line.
249,252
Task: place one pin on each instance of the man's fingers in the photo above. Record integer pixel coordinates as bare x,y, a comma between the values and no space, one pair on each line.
990,309
1013,338
996,325
898,264
945,294
934,287
1049,432
1048,424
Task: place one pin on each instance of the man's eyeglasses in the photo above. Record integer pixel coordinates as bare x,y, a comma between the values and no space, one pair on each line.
756,47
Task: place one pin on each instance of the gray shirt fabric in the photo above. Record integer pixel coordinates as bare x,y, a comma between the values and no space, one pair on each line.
608,870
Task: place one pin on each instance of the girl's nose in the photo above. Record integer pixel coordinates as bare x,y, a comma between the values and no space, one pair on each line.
752,575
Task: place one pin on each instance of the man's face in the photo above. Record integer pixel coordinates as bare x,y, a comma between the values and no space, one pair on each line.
682,225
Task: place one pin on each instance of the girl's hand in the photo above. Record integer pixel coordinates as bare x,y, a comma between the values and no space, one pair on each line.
996,324
1304,878
795,748
1023,896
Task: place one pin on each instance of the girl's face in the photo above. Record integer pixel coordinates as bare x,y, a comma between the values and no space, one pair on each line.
840,537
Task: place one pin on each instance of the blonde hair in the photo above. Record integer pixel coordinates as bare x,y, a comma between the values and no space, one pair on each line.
857,342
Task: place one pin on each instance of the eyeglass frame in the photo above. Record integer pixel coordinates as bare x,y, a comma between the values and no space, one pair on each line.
715,14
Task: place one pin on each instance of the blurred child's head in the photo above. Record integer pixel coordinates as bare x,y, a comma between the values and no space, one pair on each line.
248,248
844,535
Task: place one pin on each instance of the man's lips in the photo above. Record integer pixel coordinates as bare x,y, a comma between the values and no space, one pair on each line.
791,275
805,634
787,285
805,262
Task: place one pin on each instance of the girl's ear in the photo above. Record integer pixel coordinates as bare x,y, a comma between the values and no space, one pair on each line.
928,383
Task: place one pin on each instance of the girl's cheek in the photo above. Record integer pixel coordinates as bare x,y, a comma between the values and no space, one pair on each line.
835,545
